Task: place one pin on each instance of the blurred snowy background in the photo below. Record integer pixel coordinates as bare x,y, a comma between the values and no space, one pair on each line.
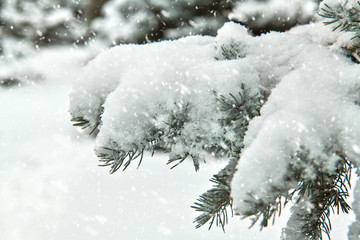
51,186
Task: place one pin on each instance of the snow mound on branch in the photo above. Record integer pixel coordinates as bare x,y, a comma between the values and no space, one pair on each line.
137,88
311,108
325,35
183,83
104,73
311,104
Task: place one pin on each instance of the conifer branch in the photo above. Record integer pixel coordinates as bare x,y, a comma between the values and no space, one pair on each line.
327,193
180,158
266,211
163,138
238,110
345,19
231,52
84,123
116,159
80,122
215,202
321,194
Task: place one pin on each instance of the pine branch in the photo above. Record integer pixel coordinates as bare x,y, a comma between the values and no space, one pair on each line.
116,159
180,158
80,122
238,110
266,211
165,138
345,19
327,193
84,123
215,202
232,51
9,82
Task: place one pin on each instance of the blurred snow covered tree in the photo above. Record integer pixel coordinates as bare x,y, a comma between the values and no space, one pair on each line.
43,22
141,21
26,25
281,108
261,16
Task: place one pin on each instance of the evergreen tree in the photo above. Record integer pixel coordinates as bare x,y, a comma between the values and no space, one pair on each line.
142,21
281,109
27,25
261,16
43,22
345,17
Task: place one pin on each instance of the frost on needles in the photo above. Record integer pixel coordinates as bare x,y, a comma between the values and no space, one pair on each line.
282,108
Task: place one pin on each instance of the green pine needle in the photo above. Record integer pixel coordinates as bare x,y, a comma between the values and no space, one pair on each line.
215,203
117,159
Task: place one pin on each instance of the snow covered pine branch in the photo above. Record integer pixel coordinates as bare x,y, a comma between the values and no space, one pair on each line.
283,108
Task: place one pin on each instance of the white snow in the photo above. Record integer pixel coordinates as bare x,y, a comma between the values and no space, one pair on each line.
125,20
124,62
52,188
317,32
354,231
311,106
273,11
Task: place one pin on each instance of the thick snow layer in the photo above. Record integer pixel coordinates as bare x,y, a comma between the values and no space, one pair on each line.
52,188
312,106
312,102
165,84
325,35
102,75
